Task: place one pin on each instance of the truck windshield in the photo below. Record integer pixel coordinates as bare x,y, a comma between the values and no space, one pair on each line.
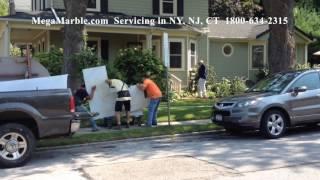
275,83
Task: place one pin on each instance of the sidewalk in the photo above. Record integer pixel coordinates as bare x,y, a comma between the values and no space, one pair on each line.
173,123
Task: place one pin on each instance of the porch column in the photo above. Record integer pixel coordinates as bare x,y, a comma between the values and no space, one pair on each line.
306,53
149,41
5,41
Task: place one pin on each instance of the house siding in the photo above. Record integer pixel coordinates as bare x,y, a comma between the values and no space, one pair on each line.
58,4
199,8
229,67
300,49
137,7
23,5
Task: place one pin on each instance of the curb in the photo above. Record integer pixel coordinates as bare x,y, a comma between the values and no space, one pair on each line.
129,140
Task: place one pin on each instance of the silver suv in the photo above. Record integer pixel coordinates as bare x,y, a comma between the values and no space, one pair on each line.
273,104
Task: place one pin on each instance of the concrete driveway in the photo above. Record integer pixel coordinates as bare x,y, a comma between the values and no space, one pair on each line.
210,156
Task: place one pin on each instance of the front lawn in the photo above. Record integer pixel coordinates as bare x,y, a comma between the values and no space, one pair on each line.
186,109
125,134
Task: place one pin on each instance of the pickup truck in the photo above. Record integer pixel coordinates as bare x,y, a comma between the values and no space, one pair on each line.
27,116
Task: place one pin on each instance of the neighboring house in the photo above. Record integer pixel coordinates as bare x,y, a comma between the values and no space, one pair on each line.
234,50
242,49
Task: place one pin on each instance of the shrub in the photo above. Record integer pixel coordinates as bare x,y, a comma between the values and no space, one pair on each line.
52,60
302,66
262,73
228,87
133,64
223,88
238,85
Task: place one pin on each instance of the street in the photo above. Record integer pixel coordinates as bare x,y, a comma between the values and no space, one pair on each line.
209,156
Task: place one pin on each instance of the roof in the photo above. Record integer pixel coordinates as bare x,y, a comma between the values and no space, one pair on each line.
247,31
25,16
223,30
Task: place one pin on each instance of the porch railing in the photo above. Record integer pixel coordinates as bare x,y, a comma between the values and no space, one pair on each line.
175,83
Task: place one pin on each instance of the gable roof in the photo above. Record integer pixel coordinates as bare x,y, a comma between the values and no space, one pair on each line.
222,30
246,31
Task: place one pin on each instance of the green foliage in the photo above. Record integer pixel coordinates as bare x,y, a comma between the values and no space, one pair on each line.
302,66
228,87
262,73
211,77
4,6
235,8
308,19
85,59
222,88
14,51
134,63
238,85
52,60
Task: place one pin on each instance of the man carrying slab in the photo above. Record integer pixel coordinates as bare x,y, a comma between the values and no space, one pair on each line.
123,99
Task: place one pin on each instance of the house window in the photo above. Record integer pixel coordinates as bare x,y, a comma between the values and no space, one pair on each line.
227,50
43,47
193,54
93,5
38,5
257,57
168,7
176,54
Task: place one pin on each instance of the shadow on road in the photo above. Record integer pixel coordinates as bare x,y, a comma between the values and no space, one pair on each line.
244,153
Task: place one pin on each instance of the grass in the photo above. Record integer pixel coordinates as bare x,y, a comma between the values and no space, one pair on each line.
125,134
184,110
190,102
181,110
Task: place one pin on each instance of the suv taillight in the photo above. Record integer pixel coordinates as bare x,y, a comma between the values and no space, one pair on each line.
72,104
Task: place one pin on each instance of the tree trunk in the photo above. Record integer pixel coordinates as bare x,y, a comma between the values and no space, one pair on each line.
73,39
12,7
281,49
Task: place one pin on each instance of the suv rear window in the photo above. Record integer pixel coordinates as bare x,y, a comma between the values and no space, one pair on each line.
311,81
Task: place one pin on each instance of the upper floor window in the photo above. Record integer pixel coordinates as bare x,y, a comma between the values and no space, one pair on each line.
38,5
93,5
168,7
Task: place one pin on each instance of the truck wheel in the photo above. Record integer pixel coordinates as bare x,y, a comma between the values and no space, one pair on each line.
273,124
17,144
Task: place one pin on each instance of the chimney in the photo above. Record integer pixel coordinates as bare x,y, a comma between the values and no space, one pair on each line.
12,8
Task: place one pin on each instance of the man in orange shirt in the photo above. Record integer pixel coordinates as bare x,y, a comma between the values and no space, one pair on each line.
154,94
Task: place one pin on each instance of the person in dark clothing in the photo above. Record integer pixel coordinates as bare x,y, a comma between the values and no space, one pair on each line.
202,79
81,97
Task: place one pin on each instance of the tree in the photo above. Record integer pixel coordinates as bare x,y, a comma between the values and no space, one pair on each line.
233,8
3,7
133,64
281,49
73,39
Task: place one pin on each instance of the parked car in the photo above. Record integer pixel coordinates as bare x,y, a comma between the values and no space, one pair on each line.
26,116
273,104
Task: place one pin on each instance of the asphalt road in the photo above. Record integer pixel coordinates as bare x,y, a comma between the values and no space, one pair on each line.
210,156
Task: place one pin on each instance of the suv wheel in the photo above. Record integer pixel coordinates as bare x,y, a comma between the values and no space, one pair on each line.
17,144
273,124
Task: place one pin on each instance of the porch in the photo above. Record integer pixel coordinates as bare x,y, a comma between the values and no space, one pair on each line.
185,46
